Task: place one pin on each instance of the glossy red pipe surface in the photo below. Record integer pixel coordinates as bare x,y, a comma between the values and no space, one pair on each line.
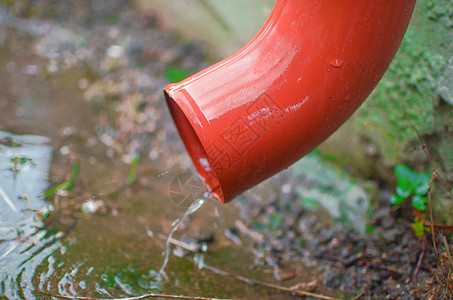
300,78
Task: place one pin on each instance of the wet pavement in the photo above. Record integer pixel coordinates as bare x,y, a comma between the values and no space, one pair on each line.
89,157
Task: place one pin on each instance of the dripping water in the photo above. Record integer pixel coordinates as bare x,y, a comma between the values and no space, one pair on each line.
175,225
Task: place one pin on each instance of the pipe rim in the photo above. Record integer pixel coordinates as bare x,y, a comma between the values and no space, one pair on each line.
194,147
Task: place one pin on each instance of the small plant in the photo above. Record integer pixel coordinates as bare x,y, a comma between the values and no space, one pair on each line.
411,183
65,186
132,176
415,185
20,161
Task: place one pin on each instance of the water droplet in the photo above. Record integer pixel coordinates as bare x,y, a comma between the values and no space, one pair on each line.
347,97
337,63
83,284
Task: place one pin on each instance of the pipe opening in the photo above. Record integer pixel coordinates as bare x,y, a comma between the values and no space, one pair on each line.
195,149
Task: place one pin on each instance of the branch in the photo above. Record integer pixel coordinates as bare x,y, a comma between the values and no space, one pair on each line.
425,149
294,289
145,296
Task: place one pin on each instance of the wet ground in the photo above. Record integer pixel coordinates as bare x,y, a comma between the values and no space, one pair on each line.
91,169
104,234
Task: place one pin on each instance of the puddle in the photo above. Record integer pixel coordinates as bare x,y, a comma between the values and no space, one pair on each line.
24,168
101,231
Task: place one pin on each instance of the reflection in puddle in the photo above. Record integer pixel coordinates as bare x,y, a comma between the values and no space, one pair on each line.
24,167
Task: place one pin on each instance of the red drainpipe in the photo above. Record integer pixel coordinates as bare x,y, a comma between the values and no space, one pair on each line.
300,78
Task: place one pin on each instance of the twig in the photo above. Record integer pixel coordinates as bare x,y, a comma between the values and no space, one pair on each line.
450,259
294,289
149,295
257,237
448,229
424,148
447,249
184,245
431,217
384,267
359,295
430,202
420,259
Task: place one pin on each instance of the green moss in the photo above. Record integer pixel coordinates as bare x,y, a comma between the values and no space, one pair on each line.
407,97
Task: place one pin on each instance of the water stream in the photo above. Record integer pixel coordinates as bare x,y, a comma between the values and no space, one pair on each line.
175,225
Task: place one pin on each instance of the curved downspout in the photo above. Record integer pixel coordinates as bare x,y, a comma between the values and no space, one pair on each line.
300,78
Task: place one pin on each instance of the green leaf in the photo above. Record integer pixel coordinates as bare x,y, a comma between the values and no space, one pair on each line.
132,176
405,174
422,185
419,202
75,170
175,74
418,227
67,185
405,177
404,191
395,199
49,192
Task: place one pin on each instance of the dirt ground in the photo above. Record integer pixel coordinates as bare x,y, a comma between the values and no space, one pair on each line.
129,53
